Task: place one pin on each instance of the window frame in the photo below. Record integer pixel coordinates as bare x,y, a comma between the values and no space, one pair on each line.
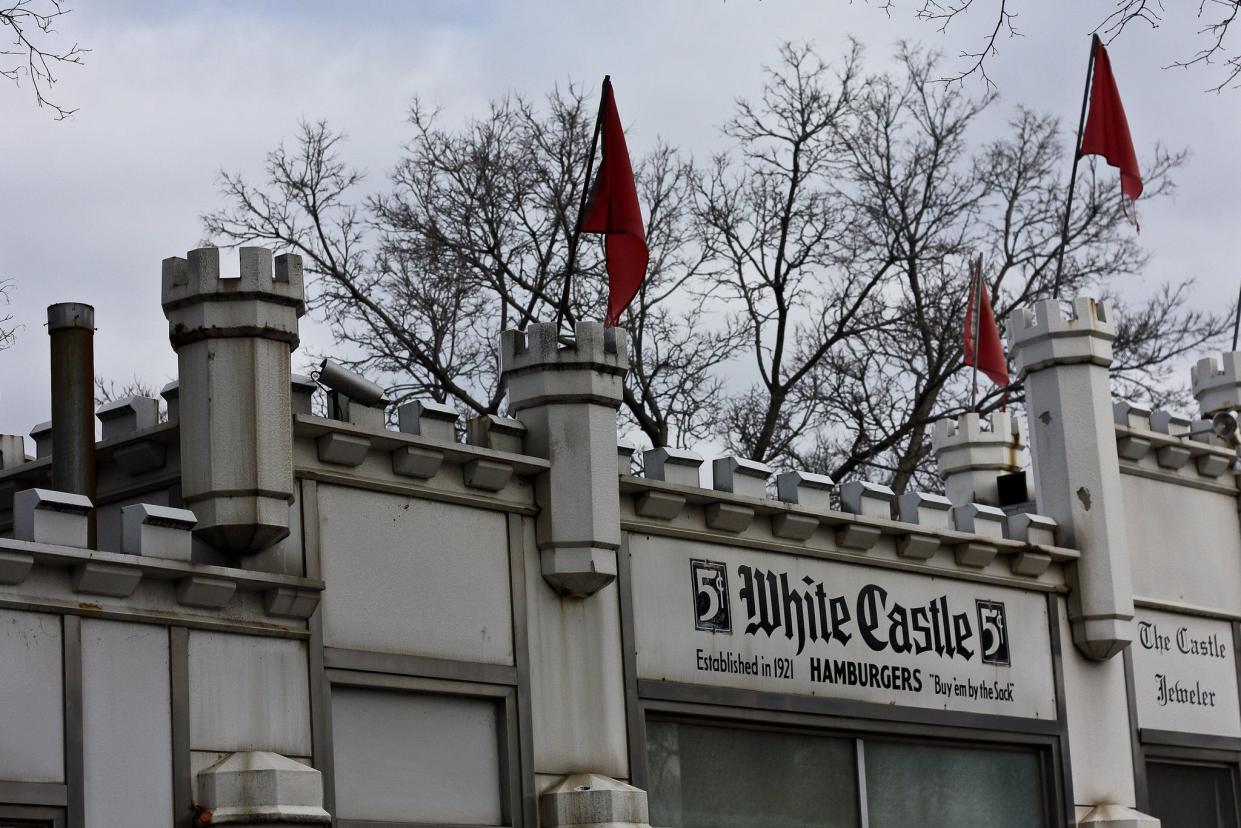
1046,747
508,747
1150,749
51,816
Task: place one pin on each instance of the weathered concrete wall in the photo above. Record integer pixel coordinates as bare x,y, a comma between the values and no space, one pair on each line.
32,687
127,724
248,693
1185,542
414,576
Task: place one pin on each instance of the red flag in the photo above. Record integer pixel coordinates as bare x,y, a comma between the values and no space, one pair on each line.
1107,131
614,211
983,348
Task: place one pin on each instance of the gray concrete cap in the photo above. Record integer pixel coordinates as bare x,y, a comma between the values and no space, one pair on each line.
867,499
591,800
672,465
262,788
740,476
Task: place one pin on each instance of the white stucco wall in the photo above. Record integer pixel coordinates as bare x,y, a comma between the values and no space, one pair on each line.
1185,544
127,724
32,730
414,576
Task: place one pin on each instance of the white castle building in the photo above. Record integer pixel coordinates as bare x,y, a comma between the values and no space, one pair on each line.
245,614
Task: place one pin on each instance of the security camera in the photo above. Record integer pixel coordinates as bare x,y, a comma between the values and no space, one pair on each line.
346,383
1224,426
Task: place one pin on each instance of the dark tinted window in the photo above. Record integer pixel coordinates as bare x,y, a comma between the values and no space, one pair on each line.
717,777
1192,796
932,786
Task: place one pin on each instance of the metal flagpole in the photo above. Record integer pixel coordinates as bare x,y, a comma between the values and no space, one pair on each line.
1236,325
563,310
976,278
1068,209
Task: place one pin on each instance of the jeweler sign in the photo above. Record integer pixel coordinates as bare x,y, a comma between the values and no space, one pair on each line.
1185,674
706,614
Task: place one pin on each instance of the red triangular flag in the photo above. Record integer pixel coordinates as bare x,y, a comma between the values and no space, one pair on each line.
614,211
1107,131
988,356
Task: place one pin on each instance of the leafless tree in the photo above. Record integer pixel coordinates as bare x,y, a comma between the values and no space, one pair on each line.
1000,17
34,52
858,344
8,330
806,292
108,391
470,238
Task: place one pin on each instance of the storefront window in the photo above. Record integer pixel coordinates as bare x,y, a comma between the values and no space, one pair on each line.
716,777
1191,795
932,786
713,776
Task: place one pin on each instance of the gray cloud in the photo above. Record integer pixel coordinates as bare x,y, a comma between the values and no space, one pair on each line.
172,94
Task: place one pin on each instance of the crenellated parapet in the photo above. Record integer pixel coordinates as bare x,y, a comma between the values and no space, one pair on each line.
1042,336
1217,383
265,301
971,458
1185,450
538,365
856,518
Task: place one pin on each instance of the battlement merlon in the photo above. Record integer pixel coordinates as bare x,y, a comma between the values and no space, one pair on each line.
265,302
1217,387
1007,433
538,367
1041,335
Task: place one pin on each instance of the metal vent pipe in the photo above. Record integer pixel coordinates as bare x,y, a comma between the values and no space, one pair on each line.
71,327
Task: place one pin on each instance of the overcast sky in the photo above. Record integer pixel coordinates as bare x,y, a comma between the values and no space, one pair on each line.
172,93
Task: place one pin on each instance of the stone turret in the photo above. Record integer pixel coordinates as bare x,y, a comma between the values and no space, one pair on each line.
567,396
233,339
1216,384
566,393
971,459
1064,362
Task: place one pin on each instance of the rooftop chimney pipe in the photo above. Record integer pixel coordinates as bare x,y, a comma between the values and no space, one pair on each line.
71,326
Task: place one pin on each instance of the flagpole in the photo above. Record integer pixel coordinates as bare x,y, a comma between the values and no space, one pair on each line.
1081,124
977,311
1236,324
563,310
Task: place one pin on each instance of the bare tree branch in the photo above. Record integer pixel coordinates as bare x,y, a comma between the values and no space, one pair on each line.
32,55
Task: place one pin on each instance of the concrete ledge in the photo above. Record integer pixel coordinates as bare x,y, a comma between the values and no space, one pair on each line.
205,593
107,580
413,461
14,567
115,574
917,547
659,505
793,526
488,475
343,449
729,517
287,602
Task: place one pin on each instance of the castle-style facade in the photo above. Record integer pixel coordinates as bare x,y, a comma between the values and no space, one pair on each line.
231,610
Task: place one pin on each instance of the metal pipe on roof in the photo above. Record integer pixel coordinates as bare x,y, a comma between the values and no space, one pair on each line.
71,327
